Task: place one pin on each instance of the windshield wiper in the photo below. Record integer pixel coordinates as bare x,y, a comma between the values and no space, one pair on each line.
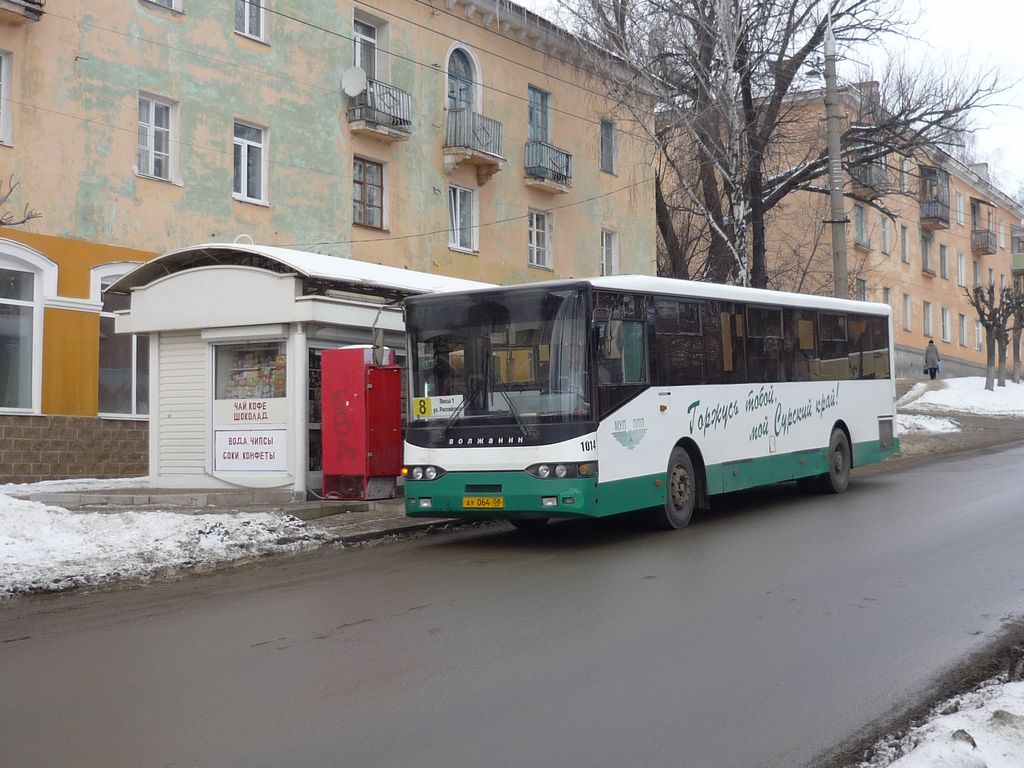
471,395
500,386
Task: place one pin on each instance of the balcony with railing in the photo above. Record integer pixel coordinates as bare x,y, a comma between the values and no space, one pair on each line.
934,198
983,241
870,180
20,11
472,139
548,167
382,112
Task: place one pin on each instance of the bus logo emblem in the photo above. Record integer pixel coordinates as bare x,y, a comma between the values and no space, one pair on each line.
629,437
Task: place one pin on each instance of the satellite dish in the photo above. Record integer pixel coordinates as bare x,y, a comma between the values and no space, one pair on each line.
353,82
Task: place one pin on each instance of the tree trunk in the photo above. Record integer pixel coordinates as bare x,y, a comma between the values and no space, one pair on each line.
1016,353
1001,370
990,360
676,257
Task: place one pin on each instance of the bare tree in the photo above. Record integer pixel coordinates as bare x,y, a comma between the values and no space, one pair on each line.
731,78
1015,308
994,310
7,217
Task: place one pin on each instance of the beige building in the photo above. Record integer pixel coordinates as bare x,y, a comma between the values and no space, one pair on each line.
460,138
922,231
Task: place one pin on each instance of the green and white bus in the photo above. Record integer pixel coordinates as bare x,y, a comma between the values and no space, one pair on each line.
595,397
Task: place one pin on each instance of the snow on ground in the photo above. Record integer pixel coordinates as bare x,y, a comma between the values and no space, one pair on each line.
968,395
45,548
73,484
980,729
910,423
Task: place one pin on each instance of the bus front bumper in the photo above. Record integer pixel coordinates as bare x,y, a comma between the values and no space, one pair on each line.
500,495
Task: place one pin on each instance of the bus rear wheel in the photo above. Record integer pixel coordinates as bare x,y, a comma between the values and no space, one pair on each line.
681,493
837,479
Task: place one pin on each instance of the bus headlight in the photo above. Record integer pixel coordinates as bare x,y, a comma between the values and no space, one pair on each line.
417,473
424,472
430,473
561,471
544,471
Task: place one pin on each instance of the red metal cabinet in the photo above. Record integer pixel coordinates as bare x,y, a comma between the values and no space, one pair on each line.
361,424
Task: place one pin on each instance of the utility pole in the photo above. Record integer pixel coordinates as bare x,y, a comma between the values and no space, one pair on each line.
835,169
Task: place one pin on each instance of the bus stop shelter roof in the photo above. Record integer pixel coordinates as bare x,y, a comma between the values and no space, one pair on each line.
341,273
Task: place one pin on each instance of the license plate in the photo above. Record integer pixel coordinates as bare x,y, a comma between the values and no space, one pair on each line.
483,502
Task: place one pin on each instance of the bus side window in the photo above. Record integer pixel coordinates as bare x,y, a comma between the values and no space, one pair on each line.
801,359
880,344
678,345
833,364
764,344
724,343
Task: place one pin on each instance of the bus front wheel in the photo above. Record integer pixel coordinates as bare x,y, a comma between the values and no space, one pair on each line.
681,493
837,478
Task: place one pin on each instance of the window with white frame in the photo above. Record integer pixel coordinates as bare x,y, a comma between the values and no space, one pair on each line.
1001,234
539,239
5,97
962,328
961,270
461,218
364,39
960,208
976,273
608,146
991,276
944,323
861,289
250,160
904,175
883,221
249,18
860,225
609,252
977,335
926,254
27,280
887,296
906,311
367,193
926,317
905,245
124,357
17,335
174,5
943,262
154,156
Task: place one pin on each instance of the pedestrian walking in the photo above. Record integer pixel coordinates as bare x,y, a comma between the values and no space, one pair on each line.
931,359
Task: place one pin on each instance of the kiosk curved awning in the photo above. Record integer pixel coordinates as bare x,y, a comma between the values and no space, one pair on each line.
327,271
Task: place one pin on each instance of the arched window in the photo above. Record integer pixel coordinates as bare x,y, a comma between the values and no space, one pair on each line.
124,357
27,279
460,80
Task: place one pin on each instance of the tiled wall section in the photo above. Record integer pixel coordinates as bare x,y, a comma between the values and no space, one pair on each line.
34,448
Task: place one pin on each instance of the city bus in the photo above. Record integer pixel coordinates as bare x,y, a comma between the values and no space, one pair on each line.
602,396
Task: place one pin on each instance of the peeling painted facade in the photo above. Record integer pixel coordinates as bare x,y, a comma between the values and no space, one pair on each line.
74,81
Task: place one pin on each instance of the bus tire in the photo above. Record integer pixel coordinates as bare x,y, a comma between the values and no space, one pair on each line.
680,492
840,458
529,524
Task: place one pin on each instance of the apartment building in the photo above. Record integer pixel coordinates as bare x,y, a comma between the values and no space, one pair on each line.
467,138
922,231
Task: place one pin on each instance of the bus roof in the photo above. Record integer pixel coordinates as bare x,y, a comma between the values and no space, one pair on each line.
694,289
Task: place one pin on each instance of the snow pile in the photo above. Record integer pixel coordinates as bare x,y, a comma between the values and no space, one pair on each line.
981,729
912,394
45,548
73,484
916,423
968,395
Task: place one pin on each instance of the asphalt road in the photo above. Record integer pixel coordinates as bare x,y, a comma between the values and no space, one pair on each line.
766,633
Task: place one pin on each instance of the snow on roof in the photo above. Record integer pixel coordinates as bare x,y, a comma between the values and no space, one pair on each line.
345,272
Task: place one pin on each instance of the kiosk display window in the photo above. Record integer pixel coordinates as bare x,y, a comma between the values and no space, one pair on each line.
245,371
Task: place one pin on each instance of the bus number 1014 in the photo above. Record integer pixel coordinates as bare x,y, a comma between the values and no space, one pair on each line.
588,445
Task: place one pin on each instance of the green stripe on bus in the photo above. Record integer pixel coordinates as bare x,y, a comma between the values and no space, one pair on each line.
584,497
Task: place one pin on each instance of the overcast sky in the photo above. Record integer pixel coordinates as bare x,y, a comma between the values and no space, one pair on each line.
985,33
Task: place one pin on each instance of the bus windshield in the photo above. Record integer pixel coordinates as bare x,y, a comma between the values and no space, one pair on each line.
515,357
